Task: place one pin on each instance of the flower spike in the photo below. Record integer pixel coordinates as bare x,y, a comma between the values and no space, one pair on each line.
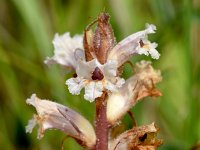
97,61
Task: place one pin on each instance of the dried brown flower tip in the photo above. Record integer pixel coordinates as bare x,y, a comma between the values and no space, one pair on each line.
141,85
149,78
138,138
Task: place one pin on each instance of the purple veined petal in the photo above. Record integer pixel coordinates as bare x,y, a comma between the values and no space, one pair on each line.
65,48
51,115
141,85
127,47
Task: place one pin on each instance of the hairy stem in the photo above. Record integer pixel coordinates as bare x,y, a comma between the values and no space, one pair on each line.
101,123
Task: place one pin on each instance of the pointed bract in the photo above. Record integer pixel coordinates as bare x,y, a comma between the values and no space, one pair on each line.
103,40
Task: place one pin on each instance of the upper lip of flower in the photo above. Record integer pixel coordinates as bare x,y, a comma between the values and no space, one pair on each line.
69,52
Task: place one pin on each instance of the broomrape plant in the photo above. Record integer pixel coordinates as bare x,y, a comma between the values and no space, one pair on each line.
97,60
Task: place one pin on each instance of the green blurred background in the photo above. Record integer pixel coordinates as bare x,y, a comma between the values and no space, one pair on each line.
27,28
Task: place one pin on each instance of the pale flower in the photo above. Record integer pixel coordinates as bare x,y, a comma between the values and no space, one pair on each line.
129,46
140,85
92,75
51,115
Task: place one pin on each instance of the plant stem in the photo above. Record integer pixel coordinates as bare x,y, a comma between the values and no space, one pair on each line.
101,123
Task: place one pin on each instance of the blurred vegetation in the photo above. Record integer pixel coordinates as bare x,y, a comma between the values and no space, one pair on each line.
26,30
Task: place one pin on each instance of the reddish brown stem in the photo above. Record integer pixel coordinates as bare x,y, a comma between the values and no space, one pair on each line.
101,123
132,118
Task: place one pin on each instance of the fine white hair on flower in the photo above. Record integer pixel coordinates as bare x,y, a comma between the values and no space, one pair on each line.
128,46
51,115
65,49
